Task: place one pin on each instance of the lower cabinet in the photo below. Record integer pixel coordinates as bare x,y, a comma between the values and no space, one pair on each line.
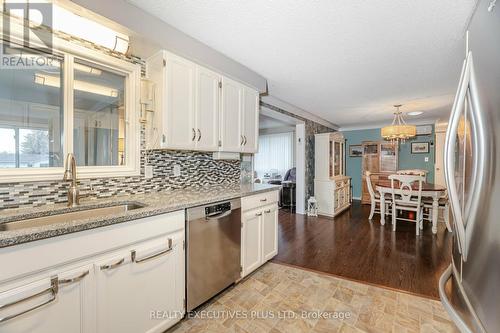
259,233
135,287
141,290
251,241
50,302
270,232
333,195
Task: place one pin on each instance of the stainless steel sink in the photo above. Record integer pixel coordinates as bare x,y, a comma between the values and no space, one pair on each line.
81,213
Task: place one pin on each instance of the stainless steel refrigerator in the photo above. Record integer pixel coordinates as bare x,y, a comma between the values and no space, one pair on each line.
470,287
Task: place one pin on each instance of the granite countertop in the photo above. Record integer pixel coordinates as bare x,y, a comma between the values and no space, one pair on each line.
156,203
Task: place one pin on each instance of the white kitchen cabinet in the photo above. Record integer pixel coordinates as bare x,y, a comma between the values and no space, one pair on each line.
207,109
49,302
141,290
231,112
171,125
251,241
259,233
179,128
199,109
144,279
250,120
239,118
269,232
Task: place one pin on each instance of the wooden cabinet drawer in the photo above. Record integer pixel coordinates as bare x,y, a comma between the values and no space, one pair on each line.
259,200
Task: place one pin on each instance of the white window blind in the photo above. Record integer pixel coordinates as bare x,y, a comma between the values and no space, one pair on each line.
275,154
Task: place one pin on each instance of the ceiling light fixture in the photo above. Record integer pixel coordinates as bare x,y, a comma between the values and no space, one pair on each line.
54,81
398,130
414,113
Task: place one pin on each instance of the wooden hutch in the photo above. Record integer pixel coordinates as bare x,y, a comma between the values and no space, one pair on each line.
381,159
332,188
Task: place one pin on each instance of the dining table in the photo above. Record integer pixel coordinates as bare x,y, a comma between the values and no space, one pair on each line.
429,190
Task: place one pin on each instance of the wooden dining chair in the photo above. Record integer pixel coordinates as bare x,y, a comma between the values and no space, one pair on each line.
375,198
444,207
407,199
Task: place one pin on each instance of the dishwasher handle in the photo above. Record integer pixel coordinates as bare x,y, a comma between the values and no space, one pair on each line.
217,216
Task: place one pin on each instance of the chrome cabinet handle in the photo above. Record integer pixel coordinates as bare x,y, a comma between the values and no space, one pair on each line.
242,140
194,134
245,142
163,138
167,250
267,211
263,200
75,279
199,134
258,214
114,265
53,289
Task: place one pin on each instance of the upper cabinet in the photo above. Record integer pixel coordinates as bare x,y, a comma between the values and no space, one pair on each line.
207,109
250,120
231,116
199,109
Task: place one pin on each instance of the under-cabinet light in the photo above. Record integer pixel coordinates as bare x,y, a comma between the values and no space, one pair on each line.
67,22
78,26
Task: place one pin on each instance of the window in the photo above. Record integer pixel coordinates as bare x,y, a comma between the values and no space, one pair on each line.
31,119
275,156
99,116
85,103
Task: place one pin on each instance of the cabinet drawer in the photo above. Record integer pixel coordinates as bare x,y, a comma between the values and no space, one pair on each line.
259,200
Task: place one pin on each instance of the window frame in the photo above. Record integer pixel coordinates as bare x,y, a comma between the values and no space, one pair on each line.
132,72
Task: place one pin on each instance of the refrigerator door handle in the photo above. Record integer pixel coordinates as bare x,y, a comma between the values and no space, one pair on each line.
449,152
447,304
480,149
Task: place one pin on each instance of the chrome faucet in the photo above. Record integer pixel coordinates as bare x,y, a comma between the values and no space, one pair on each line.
70,175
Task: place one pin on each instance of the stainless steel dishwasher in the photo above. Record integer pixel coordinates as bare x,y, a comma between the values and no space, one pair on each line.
213,234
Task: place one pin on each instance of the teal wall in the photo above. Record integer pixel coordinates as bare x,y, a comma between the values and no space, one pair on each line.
407,160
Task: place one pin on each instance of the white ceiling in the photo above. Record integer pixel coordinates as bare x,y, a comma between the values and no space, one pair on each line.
346,61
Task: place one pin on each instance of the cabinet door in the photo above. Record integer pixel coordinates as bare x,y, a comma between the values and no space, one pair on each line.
270,232
207,109
57,302
230,122
141,290
251,241
179,120
250,120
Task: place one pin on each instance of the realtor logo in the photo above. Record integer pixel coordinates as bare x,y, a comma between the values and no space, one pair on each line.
27,35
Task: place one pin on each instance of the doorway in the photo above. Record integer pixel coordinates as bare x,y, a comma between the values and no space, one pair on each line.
281,155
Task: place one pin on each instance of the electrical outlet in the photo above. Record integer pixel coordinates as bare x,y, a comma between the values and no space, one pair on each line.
148,171
427,159
177,170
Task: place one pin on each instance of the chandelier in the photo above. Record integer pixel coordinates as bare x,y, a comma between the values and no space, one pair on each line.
398,130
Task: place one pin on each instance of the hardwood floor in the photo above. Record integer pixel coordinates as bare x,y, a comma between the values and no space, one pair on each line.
352,247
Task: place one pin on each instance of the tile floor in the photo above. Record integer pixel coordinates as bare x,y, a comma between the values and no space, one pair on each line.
282,299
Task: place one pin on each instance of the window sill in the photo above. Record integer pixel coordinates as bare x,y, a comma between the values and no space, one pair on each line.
56,174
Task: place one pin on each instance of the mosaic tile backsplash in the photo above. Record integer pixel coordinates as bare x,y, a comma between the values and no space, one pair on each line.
197,169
